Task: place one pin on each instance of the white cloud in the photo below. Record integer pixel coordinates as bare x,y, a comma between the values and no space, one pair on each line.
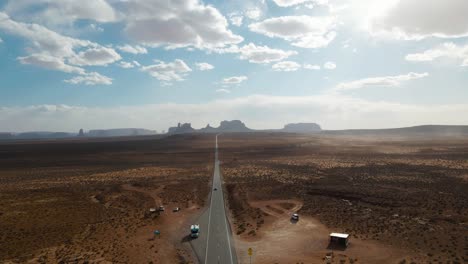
50,62
301,31
55,12
54,51
42,39
136,63
286,66
223,91
329,65
417,19
175,24
253,13
379,81
97,56
126,65
133,49
236,19
203,66
288,3
168,72
311,67
259,54
446,50
257,111
96,28
234,80
92,78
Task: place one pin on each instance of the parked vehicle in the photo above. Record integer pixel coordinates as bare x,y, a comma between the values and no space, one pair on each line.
295,217
194,231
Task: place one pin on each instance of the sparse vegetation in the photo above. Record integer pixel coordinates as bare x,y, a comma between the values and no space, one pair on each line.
408,193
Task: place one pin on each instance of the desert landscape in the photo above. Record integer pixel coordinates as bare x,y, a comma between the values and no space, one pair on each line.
88,201
402,200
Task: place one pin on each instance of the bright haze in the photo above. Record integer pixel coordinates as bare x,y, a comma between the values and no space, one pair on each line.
93,64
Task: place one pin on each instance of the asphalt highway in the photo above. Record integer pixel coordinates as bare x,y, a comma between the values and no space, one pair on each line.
219,244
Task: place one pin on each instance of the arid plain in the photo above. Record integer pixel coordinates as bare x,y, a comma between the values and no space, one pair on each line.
402,200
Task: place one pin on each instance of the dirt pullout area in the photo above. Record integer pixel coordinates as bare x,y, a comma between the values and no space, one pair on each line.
89,202
401,201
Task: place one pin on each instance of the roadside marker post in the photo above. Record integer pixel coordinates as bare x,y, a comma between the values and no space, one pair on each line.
250,251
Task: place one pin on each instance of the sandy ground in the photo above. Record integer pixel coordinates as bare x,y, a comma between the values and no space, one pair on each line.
282,240
401,200
89,201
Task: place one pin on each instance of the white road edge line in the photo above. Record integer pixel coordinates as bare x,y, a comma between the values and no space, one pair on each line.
228,239
225,215
209,213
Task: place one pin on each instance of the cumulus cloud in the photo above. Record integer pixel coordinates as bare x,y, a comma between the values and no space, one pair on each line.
286,66
259,54
96,56
236,19
446,50
92,78
329,65
133,49
50,62
380,81
311,67
330,111
301,31
126,65
54,51
223,91
310,3
175,24
168,72
253,13
203,66
55,12
234,80
417,19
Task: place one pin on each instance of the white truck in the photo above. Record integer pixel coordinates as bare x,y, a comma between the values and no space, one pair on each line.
194,231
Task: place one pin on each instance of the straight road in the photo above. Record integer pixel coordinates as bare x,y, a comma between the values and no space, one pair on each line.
219,244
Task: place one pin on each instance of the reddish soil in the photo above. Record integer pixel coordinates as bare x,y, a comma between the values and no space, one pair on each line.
401,200
88,201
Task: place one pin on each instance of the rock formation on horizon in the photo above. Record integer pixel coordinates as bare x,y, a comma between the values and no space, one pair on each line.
302,128
181,129
233,126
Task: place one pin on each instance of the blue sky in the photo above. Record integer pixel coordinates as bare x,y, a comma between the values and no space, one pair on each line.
93,64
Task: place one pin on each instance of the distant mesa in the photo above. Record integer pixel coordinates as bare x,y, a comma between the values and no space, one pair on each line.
208,129
233,126
6,135
181,129
225,126
120,132
302,128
